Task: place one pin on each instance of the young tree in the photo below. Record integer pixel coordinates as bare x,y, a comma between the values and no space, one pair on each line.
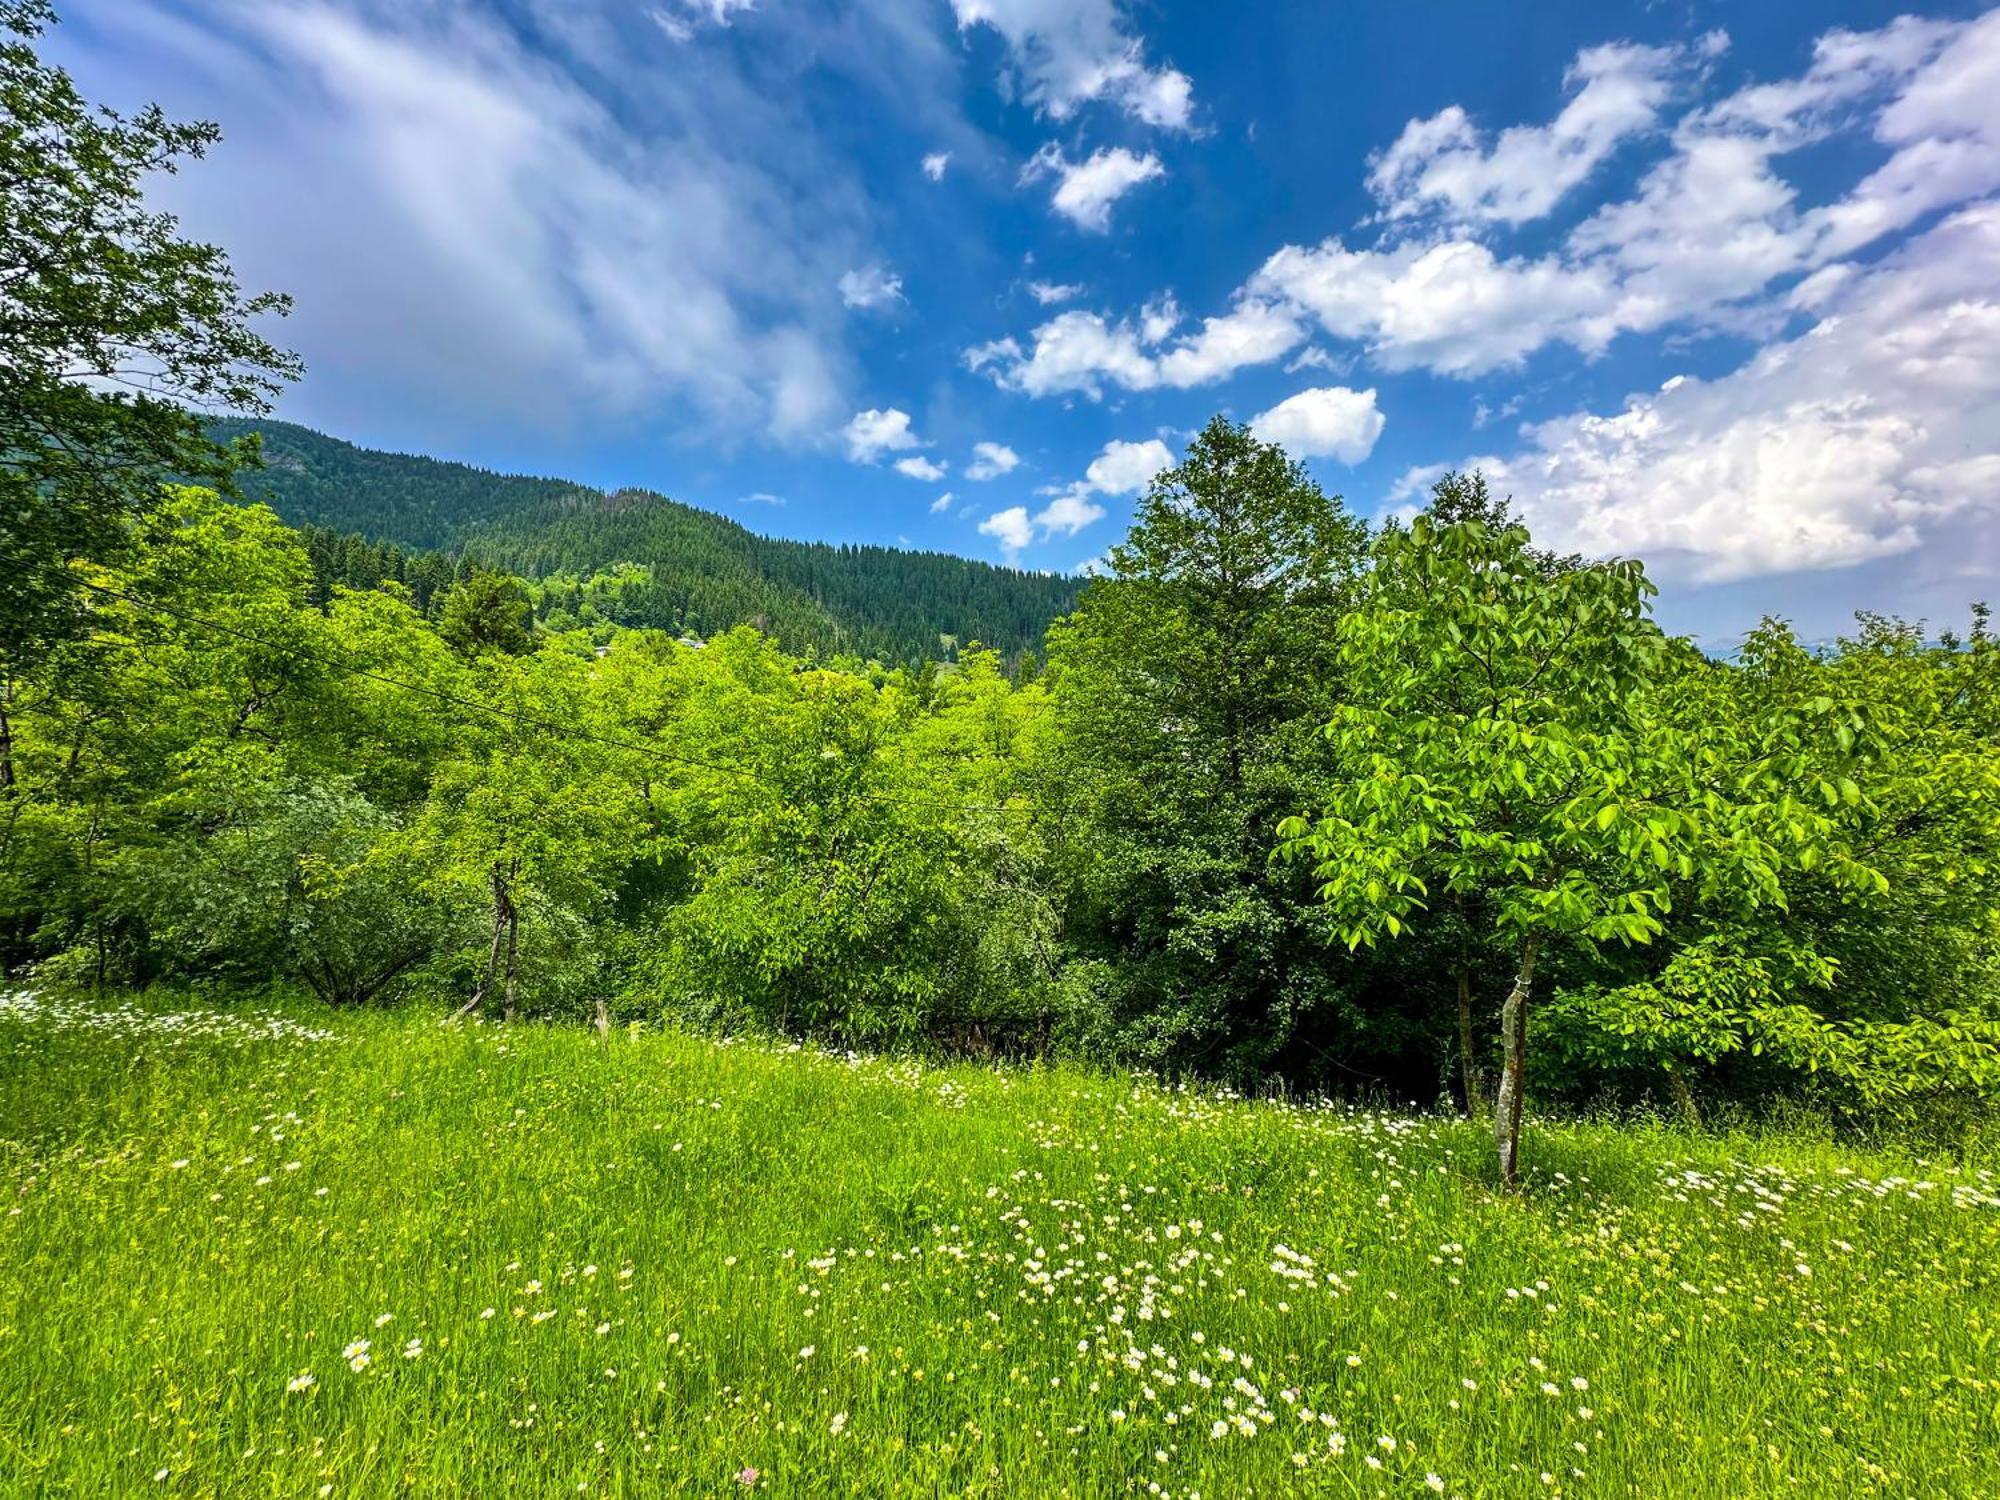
111,325
1189,687
1500,742
487,611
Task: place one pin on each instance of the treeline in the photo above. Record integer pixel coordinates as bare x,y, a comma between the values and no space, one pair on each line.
1293,800
705,573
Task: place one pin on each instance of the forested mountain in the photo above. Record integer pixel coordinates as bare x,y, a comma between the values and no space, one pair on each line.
703,572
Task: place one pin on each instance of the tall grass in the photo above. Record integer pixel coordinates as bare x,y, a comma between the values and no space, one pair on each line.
367,1255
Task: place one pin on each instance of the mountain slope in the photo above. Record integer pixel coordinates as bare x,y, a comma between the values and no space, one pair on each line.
708,572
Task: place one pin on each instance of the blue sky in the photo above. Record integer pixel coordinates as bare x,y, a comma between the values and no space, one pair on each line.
1713,284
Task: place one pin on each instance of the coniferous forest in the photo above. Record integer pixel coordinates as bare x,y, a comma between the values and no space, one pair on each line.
631,558
514,989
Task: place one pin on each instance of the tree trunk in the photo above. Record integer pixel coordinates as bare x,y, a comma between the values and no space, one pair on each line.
513,943
603,1020
1468,1051
1677,1085
502,906
1514,1065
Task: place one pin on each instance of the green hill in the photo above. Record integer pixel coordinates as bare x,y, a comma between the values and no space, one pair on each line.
708,573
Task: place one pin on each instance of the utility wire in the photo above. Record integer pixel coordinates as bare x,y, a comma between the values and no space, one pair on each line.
547,726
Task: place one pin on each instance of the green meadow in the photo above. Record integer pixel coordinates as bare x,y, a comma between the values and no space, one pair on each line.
288,1252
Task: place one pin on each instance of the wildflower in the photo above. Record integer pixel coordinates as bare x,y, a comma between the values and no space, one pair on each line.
748,1477
839,1423
485,1313
303,1381
414,1349
1434,1483
356,1355
808,1351
385,1320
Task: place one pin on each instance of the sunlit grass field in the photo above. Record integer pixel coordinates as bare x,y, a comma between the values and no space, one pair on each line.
284,1253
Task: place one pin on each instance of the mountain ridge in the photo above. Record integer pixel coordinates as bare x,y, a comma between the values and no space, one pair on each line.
709,570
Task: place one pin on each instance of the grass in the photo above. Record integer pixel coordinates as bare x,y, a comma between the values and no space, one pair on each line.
668,1266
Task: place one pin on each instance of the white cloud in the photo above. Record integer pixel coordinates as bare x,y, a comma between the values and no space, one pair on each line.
871,287
1126,468
1312,357
1446,163
1048,293
487,236
1254,332
942,504
760,497
1452,307
919,467
874,432
1326,422
1067,515
1063,53
991,460
1011,528
1859,439
1708,239
1714,223
1081,351
1121,468
1086,190
935,164
680,18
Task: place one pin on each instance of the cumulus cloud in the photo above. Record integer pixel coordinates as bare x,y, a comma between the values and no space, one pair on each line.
1086,190
1064,53
1081,351
1447,163
1712,237
935,164
942,504
1454,307
918,467
1048,293
1011,528
871,287
1126,468
991,460
872,433
1121,468
1859,439
1068,514
1326,422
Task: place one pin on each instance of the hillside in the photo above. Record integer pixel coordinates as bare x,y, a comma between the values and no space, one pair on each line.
708,572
